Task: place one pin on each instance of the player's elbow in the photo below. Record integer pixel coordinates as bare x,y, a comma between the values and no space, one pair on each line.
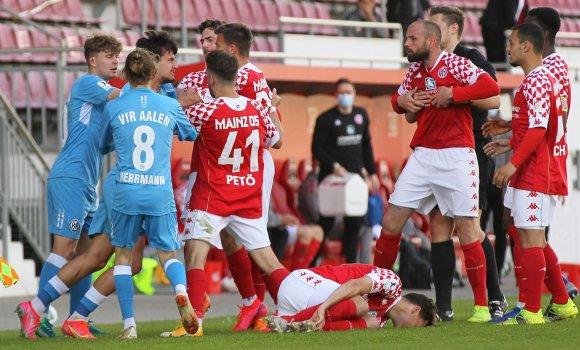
494,102
278,144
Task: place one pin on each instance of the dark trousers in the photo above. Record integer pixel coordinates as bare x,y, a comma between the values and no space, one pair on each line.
352,226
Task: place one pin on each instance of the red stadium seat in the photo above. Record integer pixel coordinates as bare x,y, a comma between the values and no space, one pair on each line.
172,14
271,15
132,37
37,92
22,39
11,4
323,13
283,10
262,21
6,86
76,12
201,10
231,12
7,41
260,43
20,95
247,16
41,40
296,10
274,43
131,12
72,39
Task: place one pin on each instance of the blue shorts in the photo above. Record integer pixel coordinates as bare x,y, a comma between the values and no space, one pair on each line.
69,202
102,218
161,231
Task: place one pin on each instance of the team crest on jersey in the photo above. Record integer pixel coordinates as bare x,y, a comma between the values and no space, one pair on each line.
358,119
350,129
430,84
442,73
74,225
143,101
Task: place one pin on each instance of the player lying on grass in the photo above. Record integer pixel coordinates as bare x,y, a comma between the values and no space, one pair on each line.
350,296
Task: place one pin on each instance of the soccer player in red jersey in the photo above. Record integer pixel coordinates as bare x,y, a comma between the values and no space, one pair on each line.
236,39
536,174
349,296
549,20
443,168
227,192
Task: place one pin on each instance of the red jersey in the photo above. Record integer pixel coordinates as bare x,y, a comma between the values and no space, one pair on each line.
232,135
537,104
194,80
385,292
442,127
557,65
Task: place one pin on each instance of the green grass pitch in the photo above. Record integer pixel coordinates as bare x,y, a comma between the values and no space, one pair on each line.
453,335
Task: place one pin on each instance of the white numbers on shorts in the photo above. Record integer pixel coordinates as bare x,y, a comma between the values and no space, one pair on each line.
143,147
237,159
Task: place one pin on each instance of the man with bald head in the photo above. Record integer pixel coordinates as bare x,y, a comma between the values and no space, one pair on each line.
436,94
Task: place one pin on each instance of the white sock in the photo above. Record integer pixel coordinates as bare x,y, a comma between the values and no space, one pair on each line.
38,306
180,289
130,322
520,304
78,317
95,296
249,301
200,321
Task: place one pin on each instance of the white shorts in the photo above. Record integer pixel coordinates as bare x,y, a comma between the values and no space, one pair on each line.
447,177
201,225
530,210
302,289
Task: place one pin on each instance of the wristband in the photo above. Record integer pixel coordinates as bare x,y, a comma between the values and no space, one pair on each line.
273,109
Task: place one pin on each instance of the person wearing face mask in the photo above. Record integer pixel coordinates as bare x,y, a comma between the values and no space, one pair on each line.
342,143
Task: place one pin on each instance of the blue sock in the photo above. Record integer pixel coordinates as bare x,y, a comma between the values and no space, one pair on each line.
124,286
51,267
52,291
85,307
77,292
175,272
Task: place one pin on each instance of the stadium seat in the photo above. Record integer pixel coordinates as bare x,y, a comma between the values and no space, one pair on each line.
260,43
41,40
274,43
132,37
20,95
271,14
323,13
172,14
231,12
36,90
249,17
201,11
472,30
6,86
7,41
72,39
22,39
283,10
131,12
11,4
75,10
262,21
297,10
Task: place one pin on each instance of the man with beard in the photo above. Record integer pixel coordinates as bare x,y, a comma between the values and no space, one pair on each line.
443,168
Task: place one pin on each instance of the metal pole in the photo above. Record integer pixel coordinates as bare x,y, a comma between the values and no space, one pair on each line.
60,65
157,15
4,179
184,38
143,16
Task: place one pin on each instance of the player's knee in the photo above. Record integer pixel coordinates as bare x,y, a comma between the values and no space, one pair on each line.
303,234
136,266
317,233
362,307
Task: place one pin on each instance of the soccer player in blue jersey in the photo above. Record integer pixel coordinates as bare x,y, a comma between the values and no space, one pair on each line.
71,182
141,124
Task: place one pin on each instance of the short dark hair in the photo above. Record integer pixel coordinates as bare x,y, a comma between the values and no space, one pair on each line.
531,33
99,42
140,66
451,15
428,309
342,81
237,34
222,64
212,24
547,18
431,29
157,42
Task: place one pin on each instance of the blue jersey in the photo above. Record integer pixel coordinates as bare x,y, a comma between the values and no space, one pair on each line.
141,123
80,157
166,89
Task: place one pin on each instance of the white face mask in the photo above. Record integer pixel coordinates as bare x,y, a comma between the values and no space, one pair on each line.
345,100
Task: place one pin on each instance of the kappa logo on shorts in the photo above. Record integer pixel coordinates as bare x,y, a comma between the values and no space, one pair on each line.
74,225
533,206
473,173
533,218
533,194
474,184
474,196
475,208
430,84
317,282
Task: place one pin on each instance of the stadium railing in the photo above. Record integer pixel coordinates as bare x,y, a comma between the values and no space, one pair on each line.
23,173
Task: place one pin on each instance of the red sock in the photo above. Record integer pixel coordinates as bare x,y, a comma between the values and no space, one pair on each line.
518,269
299,256
534,269
196,288
242,272
344,310
475,266
345,325
553,278
313,248
273,282
387,250
259,285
